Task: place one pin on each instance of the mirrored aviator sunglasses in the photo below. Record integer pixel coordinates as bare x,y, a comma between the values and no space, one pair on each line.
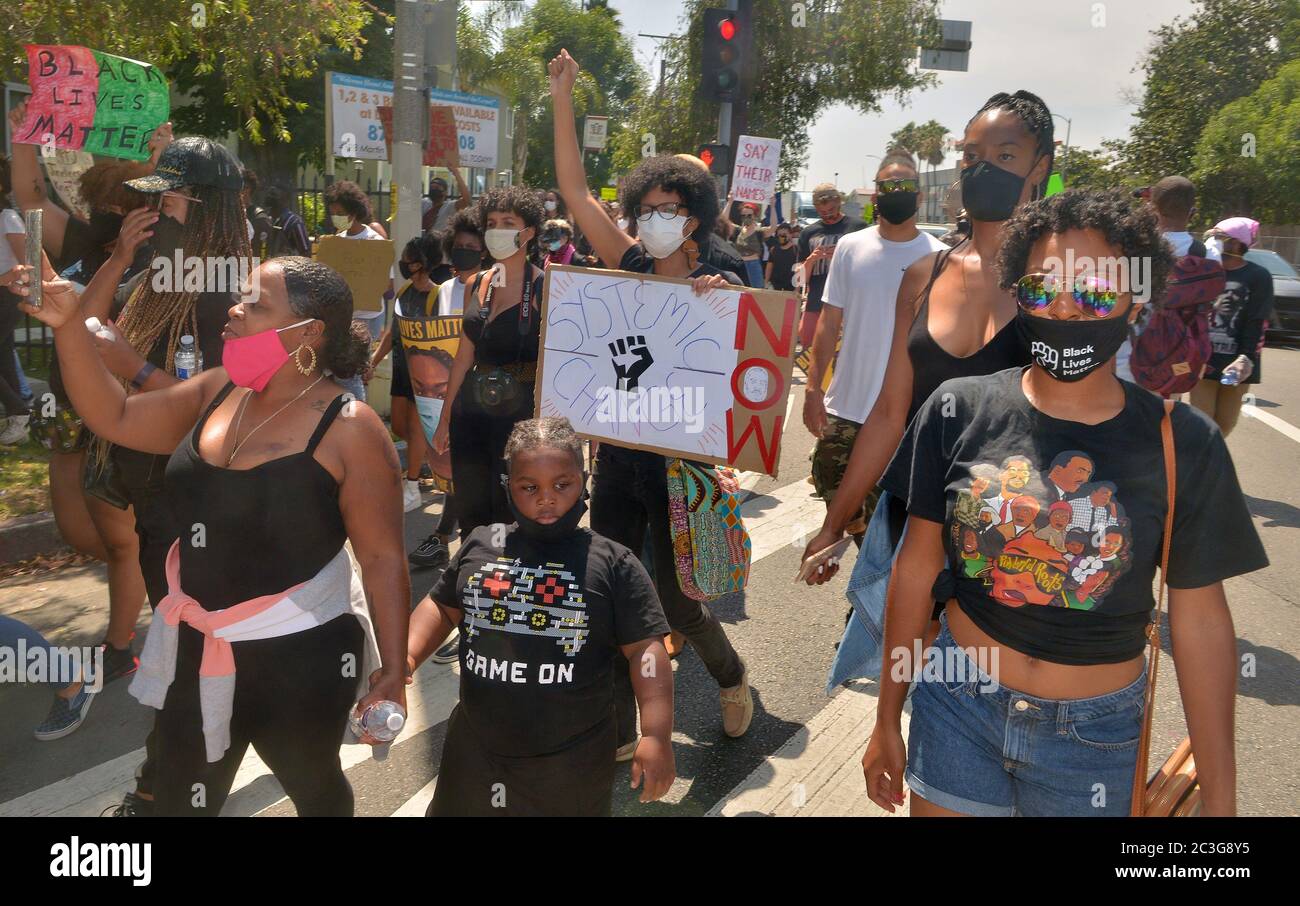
1093,295
898,185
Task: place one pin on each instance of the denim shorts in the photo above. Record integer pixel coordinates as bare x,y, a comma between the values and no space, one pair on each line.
982,749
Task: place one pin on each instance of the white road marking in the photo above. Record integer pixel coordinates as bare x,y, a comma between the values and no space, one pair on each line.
818,772
417,805
1284,428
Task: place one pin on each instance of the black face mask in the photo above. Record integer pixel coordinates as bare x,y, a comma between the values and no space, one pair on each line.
466,259
897,207
990,193
405,270
1070,350
166,238
558,530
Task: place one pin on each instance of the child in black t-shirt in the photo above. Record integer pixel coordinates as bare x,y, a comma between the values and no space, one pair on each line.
543,608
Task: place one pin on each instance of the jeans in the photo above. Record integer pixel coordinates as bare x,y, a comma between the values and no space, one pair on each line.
13,391
11,631
982,749
858,656
630,498
754,273
355,386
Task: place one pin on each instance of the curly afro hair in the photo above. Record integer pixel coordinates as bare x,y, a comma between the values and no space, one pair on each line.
521,201
464,222
698,191
350,197
1127,224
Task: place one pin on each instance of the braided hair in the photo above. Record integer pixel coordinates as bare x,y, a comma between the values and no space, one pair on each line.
216,228
1037,119
549,431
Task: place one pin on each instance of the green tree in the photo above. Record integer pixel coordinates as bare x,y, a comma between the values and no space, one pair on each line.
1195,66
856,52
925,141
509,46
1246,159
1083,168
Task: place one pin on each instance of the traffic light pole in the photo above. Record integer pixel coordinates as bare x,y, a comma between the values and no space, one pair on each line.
724,117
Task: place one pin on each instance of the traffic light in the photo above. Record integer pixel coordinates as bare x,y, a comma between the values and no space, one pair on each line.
717,157
722,57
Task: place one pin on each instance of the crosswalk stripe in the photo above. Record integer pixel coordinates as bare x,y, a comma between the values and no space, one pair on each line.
818,772
773,520
416,806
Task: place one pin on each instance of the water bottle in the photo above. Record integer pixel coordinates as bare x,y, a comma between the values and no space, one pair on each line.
381,721
99,329
1230,379
189,359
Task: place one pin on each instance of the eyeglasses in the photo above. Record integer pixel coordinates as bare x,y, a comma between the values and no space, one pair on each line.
885,186
155,203
1094,296
668,210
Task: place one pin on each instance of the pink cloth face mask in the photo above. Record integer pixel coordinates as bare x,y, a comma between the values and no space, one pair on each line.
253,360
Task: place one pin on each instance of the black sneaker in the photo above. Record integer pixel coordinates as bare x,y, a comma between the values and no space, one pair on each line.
449,651
431,553
132,807
118,662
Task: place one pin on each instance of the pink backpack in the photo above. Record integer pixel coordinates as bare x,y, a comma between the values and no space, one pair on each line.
1170,354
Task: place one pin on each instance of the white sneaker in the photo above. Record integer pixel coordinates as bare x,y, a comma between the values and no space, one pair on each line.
15,430
410,495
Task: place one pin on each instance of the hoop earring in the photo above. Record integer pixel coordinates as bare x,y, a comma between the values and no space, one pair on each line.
298,364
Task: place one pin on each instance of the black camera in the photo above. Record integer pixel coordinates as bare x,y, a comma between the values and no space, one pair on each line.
495,389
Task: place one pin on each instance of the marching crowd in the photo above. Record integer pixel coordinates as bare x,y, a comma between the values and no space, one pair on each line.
1005,489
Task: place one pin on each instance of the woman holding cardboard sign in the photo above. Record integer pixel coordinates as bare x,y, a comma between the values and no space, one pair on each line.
675,205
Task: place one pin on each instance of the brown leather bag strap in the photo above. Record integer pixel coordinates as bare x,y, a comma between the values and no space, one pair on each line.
1153,629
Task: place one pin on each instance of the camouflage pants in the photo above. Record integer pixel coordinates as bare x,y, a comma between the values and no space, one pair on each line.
830,457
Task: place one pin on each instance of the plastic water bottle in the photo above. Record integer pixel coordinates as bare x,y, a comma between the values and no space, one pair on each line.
1230,378
381,721
189,359
99,329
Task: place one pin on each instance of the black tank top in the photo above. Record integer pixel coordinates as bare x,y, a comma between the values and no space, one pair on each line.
932,364
263,529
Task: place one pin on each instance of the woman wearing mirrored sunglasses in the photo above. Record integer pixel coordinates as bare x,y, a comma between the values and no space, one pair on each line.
1054,730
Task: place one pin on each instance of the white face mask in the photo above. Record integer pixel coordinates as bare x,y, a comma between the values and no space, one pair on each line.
622,224
662,236
340,221
501,244
550,206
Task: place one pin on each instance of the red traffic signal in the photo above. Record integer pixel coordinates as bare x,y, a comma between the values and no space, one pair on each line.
722,56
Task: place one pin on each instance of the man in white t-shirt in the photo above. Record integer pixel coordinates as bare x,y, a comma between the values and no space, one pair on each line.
860,296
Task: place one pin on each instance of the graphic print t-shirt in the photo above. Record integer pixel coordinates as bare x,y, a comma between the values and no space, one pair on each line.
1238,319
815,237
542,623
1053,528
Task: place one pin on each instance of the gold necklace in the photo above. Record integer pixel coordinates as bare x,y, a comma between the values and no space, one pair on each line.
239,417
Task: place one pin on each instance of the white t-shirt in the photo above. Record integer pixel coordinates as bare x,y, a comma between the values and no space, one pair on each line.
451,297
10,222
865,273
362,314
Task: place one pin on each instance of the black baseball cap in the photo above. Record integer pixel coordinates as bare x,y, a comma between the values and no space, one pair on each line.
192,161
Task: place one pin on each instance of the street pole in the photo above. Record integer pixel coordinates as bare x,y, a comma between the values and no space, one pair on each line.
410,118
1068,124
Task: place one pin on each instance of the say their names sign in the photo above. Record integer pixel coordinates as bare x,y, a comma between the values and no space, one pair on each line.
754,176
641,361
85,100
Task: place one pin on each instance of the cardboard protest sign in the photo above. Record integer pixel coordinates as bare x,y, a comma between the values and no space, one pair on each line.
643,362
443,147
85,100
364,263
803,361
754,176
65,169
430,344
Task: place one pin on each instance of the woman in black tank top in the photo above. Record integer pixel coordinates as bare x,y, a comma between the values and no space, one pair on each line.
268,480
952,318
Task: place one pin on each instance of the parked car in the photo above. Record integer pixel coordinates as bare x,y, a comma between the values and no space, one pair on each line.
1284,326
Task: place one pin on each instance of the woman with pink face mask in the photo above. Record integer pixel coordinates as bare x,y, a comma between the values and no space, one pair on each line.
271,469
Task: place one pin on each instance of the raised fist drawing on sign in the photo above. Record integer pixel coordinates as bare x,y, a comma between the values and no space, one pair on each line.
631,358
